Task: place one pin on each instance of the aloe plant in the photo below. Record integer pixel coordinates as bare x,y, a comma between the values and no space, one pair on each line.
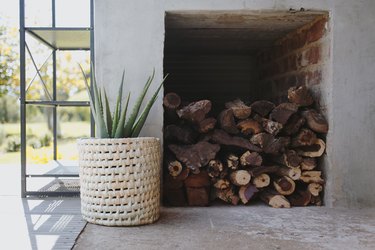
116,124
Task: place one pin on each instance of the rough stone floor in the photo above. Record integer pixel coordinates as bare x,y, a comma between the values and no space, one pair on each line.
241,227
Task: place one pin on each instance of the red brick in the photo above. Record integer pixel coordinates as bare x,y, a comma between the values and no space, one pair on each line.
309,57
316,31
313,77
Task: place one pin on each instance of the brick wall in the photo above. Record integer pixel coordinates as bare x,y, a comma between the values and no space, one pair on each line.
297,59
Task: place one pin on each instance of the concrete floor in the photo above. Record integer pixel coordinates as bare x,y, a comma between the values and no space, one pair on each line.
241,227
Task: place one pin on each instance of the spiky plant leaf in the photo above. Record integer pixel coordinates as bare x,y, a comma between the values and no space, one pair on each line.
120,126
101,130
117,113
133,116
143,117
107,113
89,93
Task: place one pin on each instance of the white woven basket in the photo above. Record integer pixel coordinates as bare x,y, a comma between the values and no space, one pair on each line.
120,180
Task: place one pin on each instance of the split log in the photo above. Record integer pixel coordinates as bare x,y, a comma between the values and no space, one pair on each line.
294,124
316,200
315,188
256,171
292,173
240,109
240,177
227,195
249,126
222,184
300,95
198,189
232,161
261,181
221,137
284,185
195,111
315,150
171,101
227,122
195,156
174,168
274,199
271,127
308,163
215,167
183,134
283,111
263,108
206,125
246,193
270,144
312,177
305,137
300,198
315,121
251,159
290,159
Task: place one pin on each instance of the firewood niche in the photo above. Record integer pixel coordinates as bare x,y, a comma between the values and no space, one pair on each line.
246,152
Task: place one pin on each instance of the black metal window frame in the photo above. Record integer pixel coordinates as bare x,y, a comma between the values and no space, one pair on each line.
52,102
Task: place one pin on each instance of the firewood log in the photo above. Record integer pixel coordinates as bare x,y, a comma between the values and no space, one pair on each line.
292,173
249,126
315,150
271,127
315,188
284,185
174,168
222,184
312,177
256,171
251,159
300,198
300,95
290,159
174,192
227,195
305,137
261,181
215,167
270,144
315,121
294,124
171,101
221,137
316,200
274,199
206,125
283,111
263,108
240,177
183,134
232,161
198,189
195,156
240,109
246,193
308,163
195,111
227,122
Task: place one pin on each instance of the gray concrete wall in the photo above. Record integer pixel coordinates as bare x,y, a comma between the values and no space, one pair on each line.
130,34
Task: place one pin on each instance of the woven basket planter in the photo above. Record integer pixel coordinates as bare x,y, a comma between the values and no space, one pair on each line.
120,180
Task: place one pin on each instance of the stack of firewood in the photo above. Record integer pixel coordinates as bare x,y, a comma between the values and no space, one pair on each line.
261,150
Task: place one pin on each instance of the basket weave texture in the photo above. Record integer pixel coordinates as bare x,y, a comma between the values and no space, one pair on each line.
120,180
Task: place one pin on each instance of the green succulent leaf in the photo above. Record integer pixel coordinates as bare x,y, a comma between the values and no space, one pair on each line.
107,113
143,117
116,115
120,126
88,92
133,116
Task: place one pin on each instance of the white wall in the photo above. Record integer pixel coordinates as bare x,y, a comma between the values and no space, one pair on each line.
130,34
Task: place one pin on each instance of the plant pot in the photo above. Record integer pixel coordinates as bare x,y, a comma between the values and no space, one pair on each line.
120,180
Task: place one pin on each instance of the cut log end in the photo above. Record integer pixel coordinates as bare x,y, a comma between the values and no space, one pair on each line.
175,168
308,163
171,101
251,159
261,181
222,184
316,121
274,199
240,109
314,188
315,150
284,185
283,112
249,127
232,161
300,95
246,193
195,111
240,177
215,167
312,177
263,108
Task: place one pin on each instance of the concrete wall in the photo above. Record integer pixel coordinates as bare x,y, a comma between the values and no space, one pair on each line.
131,34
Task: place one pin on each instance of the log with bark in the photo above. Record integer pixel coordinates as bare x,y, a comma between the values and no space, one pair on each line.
240,109
312,177
232,161
300,95
315,150
251,159
300,198
308,163
292,173
284,185
315,121
227,121
206,125
262,108
283,112
274,199
179,134
249,127
198,189
227,195
195,156
214,168
246,193
195,112
223,138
